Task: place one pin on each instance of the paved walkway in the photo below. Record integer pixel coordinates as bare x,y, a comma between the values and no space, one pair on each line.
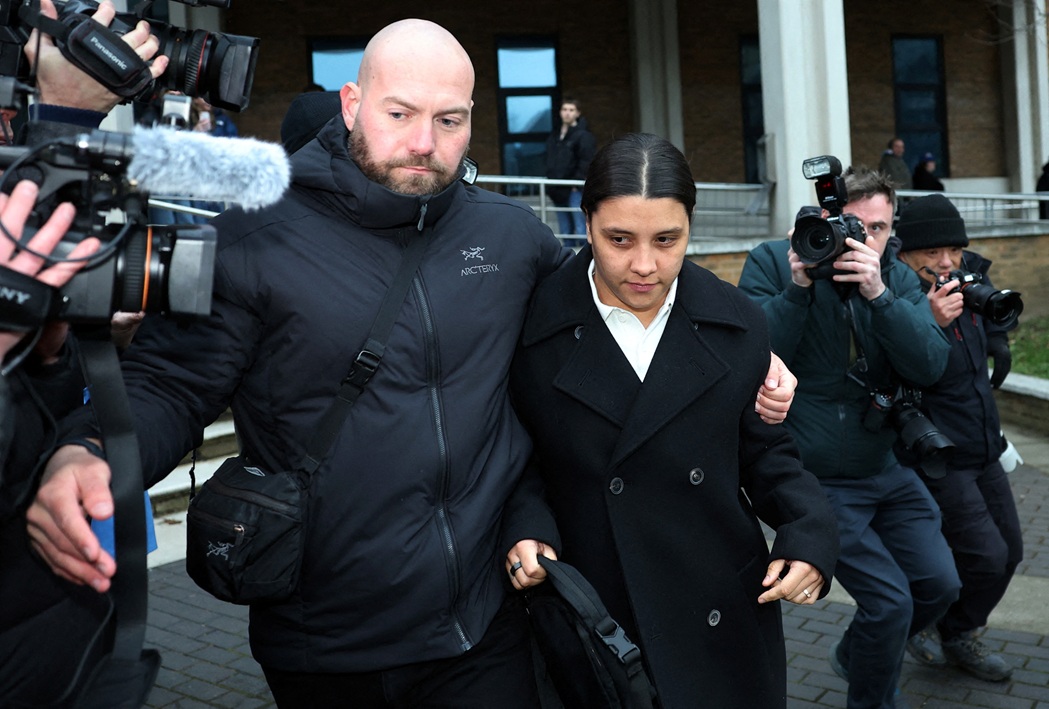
206,661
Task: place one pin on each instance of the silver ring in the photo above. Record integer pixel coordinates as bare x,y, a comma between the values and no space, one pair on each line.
515,567
806,592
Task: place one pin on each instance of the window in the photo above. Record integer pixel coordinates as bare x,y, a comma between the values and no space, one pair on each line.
335,61
528,103
753,114
921,115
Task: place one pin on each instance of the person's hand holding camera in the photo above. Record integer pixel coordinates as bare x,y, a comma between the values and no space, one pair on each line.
62,84
946,302
14,210
864,266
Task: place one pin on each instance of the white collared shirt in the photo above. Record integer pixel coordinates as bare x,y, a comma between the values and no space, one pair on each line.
637,342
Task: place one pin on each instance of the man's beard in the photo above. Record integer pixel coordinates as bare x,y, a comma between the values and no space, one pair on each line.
439,177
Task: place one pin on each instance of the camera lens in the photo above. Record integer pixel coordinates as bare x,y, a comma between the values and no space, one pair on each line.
1000,307
815,239
921,436
219,67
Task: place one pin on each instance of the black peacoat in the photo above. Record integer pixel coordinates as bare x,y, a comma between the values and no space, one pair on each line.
656,488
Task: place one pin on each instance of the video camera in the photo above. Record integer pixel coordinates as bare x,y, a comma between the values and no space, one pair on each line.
899,408
218,67
158,269
820,241
1002,307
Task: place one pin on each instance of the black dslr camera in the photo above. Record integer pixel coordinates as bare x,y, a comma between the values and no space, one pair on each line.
820,241
158,269
1002,307
219,67
899,408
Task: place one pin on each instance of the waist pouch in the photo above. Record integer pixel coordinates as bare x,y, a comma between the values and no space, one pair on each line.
245,534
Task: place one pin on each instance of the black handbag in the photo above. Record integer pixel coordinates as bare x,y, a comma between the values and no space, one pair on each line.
246,527
582,651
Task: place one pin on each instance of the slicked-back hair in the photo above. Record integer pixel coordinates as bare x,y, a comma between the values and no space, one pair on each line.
862,183
642,165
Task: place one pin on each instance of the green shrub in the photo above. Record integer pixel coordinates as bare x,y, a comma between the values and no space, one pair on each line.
1029,343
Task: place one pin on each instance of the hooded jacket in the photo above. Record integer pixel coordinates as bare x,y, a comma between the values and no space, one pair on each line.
809,329
401,563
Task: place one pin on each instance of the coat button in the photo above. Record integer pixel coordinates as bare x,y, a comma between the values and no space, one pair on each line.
578,332
695,476
714,618
616,486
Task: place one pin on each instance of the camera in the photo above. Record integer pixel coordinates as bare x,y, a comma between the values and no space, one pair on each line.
219,67
899,408
1002,307
820,241
158,269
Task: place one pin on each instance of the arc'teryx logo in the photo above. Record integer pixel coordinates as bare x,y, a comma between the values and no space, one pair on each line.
475,252
219,549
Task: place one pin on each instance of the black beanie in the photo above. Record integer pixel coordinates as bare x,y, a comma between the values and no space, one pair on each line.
306,115
930,222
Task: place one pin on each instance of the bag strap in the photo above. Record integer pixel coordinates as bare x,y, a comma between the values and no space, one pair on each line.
577,592
368,359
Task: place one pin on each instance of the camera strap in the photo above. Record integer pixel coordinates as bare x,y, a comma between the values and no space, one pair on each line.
25,303
95,49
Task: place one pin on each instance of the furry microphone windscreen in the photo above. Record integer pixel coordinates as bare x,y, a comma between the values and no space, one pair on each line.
246,171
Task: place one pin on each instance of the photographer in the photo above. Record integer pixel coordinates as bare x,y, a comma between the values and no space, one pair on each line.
49,627
845,334
980,520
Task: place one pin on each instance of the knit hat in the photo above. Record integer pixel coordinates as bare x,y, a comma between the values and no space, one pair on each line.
306,115
930,222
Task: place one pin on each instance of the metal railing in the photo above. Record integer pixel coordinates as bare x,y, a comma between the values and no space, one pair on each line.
741,211
723,210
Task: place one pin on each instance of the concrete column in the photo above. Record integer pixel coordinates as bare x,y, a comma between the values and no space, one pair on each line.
1025,87
657,69
804,96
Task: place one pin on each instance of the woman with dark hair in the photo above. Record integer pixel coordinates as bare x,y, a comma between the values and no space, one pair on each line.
636,376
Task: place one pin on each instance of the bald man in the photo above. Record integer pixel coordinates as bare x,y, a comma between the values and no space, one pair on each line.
402,599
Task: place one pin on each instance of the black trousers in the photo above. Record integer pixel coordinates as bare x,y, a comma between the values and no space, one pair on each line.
982,528
497,672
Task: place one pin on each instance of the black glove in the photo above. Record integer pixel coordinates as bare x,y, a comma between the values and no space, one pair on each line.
998,349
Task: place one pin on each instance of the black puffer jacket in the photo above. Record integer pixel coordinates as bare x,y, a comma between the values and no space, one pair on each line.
402,563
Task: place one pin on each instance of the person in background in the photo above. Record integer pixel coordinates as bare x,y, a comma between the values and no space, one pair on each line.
636,378
893,164
1043,186
848,337
925,174
980,521
569,150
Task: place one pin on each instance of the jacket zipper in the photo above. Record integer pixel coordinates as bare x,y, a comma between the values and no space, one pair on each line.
444,526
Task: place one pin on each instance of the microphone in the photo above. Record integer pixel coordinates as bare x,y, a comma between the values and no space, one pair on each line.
163,161
195,165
